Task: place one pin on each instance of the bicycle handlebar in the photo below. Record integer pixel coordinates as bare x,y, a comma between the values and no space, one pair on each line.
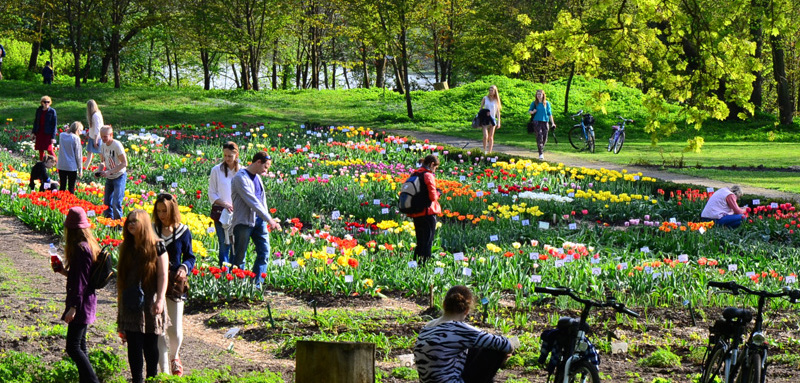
610,302
734,288
580,112
625,119
552,290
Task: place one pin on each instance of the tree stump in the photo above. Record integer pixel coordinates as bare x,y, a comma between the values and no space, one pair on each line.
334,362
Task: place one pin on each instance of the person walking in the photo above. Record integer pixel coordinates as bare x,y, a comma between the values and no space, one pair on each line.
541,114
141,291
115,162
425,221
95,120
47,73
69,157
178,240
251,215
44,127
80,251
449,350
219,193
2,56
489,117
722,208
39,173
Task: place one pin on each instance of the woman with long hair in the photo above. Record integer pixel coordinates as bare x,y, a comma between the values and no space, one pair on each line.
80,252
94,119
489,117
69,157
219,192
178,240
541,114
44,127
141,290
449,350
425,221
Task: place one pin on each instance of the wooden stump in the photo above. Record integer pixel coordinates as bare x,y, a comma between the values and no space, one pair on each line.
334,362
441,86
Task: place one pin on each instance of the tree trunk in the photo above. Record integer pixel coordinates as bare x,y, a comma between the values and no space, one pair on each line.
150,58
569,85
398,77
114,48
325,74
275,65
380,72
86,66
169,64
245,76
757,34
435,54
364,62
255,64
785,102
409,108
36,46
205,59
346,81
175,61
235,75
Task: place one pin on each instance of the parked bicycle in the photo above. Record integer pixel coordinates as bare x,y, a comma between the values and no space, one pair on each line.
726,355
581,136
618,136
574,358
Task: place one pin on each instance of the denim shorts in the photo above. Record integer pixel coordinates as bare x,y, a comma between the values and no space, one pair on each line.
91,147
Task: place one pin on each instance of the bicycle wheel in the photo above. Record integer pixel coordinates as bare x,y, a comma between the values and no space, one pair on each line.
618,143
752,372
714,366
576,138
581,372
590,142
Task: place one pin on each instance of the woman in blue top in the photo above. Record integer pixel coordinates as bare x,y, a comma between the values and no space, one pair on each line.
541,114
70,157
178,240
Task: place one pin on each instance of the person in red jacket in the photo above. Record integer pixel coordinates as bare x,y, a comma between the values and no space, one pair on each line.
425,221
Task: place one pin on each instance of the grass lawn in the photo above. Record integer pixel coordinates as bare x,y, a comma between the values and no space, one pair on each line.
742,144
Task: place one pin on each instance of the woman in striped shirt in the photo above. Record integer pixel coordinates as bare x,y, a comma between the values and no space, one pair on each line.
447,349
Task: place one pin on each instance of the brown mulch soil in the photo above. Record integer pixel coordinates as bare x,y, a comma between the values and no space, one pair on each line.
31,295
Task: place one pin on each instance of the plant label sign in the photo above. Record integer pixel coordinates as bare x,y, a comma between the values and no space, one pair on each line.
159,179
623,266
656,275
571,195
91,213
544,225
645,249
701,230
385,210
462,178
247,134
330,250
515,218
756,202
683,258
458,257
790,279
667,274
490,185
536,278
376,202
493,159
237,133
412,264
306,176
479,193
673,220
293,172
774,205
525,222
279,262
533,256
336,214
485,301
750,274
210,230
183,170
559,263
733,267
710,190
438,270
595,261
648,270
596,271
330,139
467,272
493,238
636,178
295,264
573,226
348,279
174,184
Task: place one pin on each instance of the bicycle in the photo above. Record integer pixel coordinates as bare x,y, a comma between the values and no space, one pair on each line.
723,358
581,136
618,137
574,358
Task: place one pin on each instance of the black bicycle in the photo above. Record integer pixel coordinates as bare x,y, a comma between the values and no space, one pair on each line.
581,136
574,358
727,357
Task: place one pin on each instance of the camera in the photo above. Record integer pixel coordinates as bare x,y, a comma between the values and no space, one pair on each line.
98,173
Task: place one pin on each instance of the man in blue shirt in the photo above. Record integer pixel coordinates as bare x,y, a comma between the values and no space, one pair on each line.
251,215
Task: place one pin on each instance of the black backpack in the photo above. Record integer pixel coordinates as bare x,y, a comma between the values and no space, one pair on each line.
414,194
588,119
102,269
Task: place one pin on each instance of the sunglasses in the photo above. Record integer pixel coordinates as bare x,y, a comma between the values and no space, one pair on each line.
229,147
164,196
45,102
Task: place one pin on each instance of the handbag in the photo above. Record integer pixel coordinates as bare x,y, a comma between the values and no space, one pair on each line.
177,287
216,212
531,126
476,122
133,297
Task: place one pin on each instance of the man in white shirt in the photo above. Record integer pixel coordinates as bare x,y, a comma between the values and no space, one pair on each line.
115,162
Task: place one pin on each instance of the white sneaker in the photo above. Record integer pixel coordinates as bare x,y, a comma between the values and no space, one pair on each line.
541,157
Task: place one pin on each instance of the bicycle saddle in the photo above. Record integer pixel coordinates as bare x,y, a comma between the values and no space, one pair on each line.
736,314
570,324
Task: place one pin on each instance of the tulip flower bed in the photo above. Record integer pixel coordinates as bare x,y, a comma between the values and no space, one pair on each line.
507,224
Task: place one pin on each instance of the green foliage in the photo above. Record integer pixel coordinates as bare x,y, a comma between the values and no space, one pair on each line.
663,357
220,376
21,367
405,373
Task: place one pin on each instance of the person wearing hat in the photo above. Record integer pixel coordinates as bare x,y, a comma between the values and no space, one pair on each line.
80,251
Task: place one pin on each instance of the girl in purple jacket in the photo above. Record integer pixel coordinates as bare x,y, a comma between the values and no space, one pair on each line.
80,251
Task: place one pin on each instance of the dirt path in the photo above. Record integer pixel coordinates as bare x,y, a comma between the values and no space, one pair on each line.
574,161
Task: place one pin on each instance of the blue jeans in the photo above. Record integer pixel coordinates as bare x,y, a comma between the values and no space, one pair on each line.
224,250
733,221
115,192
241,239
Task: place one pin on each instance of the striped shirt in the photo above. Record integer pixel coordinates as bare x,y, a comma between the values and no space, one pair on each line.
441,349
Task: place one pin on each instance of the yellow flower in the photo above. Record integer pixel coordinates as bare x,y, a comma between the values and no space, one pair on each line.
368,283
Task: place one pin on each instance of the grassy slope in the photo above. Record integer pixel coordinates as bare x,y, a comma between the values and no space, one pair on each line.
741,143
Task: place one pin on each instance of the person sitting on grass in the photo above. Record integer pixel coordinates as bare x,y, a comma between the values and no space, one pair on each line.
449,350
723,209
39,173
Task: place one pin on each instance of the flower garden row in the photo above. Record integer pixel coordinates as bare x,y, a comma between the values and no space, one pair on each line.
507,226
